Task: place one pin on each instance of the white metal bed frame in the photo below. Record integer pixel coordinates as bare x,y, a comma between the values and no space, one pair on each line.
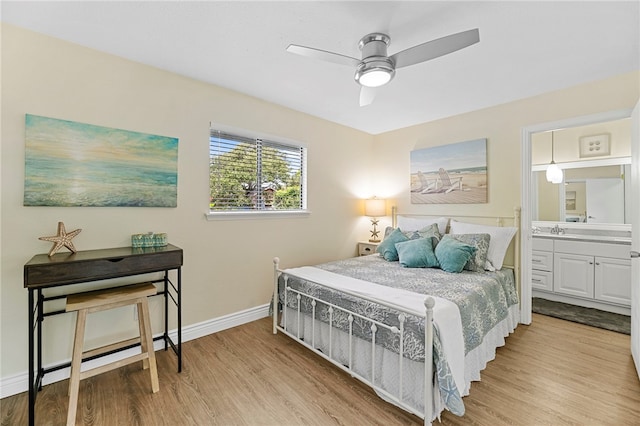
429,303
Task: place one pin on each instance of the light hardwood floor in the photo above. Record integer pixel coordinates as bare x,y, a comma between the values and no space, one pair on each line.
552,372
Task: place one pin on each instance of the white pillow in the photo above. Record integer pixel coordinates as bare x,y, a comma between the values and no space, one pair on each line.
501,236
409,224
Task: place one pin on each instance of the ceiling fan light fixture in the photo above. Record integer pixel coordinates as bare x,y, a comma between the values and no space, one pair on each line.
375,73
377,68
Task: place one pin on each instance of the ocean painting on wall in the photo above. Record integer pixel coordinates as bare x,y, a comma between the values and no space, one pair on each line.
450,174
70,164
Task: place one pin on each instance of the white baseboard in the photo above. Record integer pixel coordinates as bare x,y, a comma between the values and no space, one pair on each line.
19,383
585,303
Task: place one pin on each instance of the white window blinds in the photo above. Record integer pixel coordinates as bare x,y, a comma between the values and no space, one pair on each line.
248,174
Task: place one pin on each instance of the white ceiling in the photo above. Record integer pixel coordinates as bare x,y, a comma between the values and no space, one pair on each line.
525,49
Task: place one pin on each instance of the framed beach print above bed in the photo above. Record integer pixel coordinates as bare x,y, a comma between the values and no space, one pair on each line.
450,174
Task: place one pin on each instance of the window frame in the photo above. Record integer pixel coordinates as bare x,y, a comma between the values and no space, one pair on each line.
261,214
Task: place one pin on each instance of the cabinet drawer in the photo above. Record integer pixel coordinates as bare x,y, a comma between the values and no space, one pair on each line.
365,249
621,251
542,280
542,260
89,266
544,244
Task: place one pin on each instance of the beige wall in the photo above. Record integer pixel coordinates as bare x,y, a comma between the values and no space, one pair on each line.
502,126
227,264
548,198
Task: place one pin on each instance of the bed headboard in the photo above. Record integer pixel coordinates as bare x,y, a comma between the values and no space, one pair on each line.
512,257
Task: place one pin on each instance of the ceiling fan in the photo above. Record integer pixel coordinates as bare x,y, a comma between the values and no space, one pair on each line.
376,69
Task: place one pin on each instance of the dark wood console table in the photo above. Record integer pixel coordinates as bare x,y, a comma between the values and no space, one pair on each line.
62,269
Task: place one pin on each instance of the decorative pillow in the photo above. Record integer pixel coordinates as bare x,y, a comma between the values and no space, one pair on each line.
417,253
387,231
452,254
500,239
410,235
481,243
415,223
430,231
387,247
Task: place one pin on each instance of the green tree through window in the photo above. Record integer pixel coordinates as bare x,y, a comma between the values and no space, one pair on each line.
253,174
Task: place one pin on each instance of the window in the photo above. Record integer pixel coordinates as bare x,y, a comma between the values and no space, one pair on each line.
253,174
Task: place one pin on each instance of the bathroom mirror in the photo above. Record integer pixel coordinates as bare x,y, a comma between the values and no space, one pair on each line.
595,187
595,194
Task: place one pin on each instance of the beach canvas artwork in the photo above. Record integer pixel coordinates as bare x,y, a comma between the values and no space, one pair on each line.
450,174
71,164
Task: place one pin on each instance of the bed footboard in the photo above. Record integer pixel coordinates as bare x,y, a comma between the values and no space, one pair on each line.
347,364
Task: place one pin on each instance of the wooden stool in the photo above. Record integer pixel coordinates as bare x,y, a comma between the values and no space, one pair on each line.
100,300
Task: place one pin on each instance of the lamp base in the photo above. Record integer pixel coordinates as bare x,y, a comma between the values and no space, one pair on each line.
374,232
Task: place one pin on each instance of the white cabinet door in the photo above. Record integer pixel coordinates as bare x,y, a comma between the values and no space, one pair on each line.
573,274
613,280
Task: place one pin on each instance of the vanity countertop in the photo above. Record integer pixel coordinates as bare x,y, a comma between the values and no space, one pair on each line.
582,237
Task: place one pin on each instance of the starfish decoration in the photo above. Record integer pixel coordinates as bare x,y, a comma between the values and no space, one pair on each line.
63,239
375,233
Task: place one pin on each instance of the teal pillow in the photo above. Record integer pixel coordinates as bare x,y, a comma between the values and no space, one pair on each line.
452,254
387,247
417,253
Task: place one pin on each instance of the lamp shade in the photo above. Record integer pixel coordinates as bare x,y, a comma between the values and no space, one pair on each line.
554,173
375,207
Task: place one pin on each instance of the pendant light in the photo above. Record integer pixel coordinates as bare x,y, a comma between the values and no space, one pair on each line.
554,173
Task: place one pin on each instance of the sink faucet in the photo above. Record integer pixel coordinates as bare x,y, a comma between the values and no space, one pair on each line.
557,230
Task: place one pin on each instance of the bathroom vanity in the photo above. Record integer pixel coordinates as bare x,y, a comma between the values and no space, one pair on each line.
582,269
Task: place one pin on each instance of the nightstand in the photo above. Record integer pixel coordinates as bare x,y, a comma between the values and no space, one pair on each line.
366,248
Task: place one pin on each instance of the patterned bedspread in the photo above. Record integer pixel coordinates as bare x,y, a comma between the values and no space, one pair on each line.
482,298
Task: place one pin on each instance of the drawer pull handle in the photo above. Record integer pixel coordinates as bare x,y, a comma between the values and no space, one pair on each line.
117,259
536,260
536,280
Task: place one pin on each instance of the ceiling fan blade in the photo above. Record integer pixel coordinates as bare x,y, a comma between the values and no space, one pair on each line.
367,95
435,48
323,55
